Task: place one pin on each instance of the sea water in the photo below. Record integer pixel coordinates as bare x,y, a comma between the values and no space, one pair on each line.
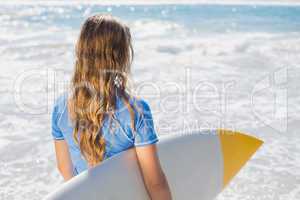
199,66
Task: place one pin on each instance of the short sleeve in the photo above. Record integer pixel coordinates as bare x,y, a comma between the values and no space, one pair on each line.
55,130
145,132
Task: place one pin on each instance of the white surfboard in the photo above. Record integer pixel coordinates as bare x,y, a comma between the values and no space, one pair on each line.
198,166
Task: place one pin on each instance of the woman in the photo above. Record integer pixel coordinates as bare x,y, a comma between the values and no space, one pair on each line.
100,118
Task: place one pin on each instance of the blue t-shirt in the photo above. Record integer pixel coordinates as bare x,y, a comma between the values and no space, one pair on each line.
117,133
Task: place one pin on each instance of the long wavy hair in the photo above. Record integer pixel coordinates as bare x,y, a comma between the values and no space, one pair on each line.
104,55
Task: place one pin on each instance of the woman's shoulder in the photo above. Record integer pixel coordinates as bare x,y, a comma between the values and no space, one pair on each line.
60,103
140,104
61,99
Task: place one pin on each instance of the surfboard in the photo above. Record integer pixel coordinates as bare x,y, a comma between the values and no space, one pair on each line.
197,165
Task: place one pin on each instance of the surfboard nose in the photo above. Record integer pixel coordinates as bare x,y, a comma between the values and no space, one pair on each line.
237,149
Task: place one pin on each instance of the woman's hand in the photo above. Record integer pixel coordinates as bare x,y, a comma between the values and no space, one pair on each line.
64,163
154,178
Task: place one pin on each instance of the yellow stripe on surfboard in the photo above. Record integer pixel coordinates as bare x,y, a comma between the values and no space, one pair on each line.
237,149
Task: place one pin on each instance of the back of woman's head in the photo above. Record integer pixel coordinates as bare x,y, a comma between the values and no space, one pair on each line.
103,50
103,60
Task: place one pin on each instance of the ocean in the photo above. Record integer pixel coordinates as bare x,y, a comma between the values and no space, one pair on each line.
199,66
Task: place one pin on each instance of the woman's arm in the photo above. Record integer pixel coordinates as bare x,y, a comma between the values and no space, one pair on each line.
63,159
153,175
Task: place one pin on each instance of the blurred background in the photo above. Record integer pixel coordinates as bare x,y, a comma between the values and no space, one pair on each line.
199,64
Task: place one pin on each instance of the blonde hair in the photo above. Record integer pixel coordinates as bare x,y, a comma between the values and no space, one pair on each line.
104,55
